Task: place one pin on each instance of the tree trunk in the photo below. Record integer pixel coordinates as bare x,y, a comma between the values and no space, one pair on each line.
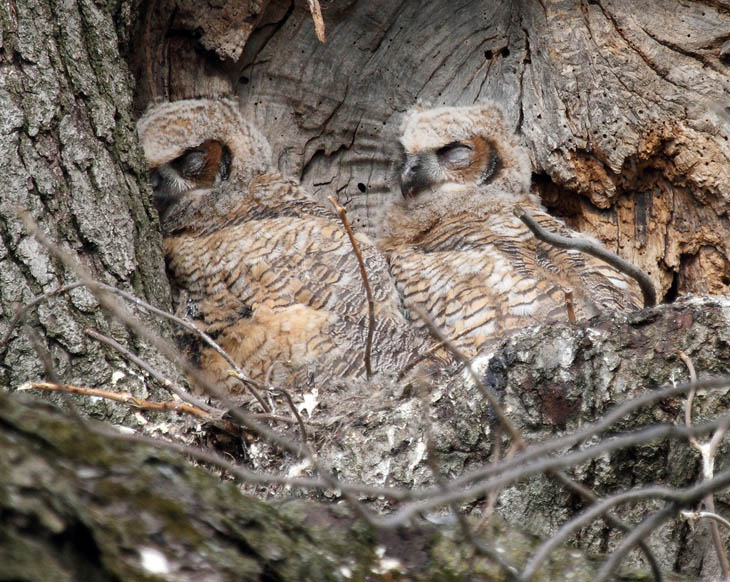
113,511
70,157
622,105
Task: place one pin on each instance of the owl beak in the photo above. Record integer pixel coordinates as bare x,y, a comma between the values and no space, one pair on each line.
413,177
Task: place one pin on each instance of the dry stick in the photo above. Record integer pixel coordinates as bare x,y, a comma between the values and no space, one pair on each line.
249,382
35,301
43,354
681,496
707,453
246,475
342,212
124,397
633,538
707,515
519,442
588,247
590,430
161,379
545,464
511,429
106,300
443,484
569,305
316,11
423,355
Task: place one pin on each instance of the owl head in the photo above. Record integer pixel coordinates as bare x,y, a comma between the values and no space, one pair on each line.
461,158
195,145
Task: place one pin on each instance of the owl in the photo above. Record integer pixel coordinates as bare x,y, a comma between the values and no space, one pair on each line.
258,263
457,251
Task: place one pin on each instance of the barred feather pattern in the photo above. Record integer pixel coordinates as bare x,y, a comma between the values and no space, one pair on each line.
277,283
490,273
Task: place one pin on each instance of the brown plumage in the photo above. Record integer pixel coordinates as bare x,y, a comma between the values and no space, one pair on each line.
261,265
456,249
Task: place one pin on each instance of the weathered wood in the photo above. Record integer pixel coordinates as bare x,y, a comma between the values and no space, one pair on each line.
623,105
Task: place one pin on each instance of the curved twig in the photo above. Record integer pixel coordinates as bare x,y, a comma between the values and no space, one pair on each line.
342,213
590,248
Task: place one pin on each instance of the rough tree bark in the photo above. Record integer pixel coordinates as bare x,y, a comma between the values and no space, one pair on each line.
70,157
623,106
77,506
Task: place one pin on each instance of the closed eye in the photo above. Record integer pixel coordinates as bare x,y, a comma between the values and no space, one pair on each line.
455,154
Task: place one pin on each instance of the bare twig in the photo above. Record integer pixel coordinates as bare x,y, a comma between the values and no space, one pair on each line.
638,533
705,515
707,452
588,247
594,429
432,497
251,384
124,397
342,212
434,348
161,379
122,314
466,362
42,352
690,395
316,11
569,306
519,442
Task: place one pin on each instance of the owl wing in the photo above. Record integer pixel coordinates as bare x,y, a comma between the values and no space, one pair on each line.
281,283
483,277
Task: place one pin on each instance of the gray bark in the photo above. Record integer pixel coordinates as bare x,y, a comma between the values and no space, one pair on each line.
77,506
69,157
623,108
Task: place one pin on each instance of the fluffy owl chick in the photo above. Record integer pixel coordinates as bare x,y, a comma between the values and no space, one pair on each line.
264,267
457,251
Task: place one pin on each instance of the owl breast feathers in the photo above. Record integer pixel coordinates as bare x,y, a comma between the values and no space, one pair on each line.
257,262
457,251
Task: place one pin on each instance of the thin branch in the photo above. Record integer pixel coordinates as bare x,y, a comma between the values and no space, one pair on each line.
342,212
251,384
437,346
591,430
161,379
316,11
707,452
43,354
511,429
124,397
590,248
520,443
705,515
569,305
637,534
610,518
430,498
122,314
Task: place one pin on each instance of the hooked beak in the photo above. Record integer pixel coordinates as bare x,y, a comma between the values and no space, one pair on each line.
413,177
